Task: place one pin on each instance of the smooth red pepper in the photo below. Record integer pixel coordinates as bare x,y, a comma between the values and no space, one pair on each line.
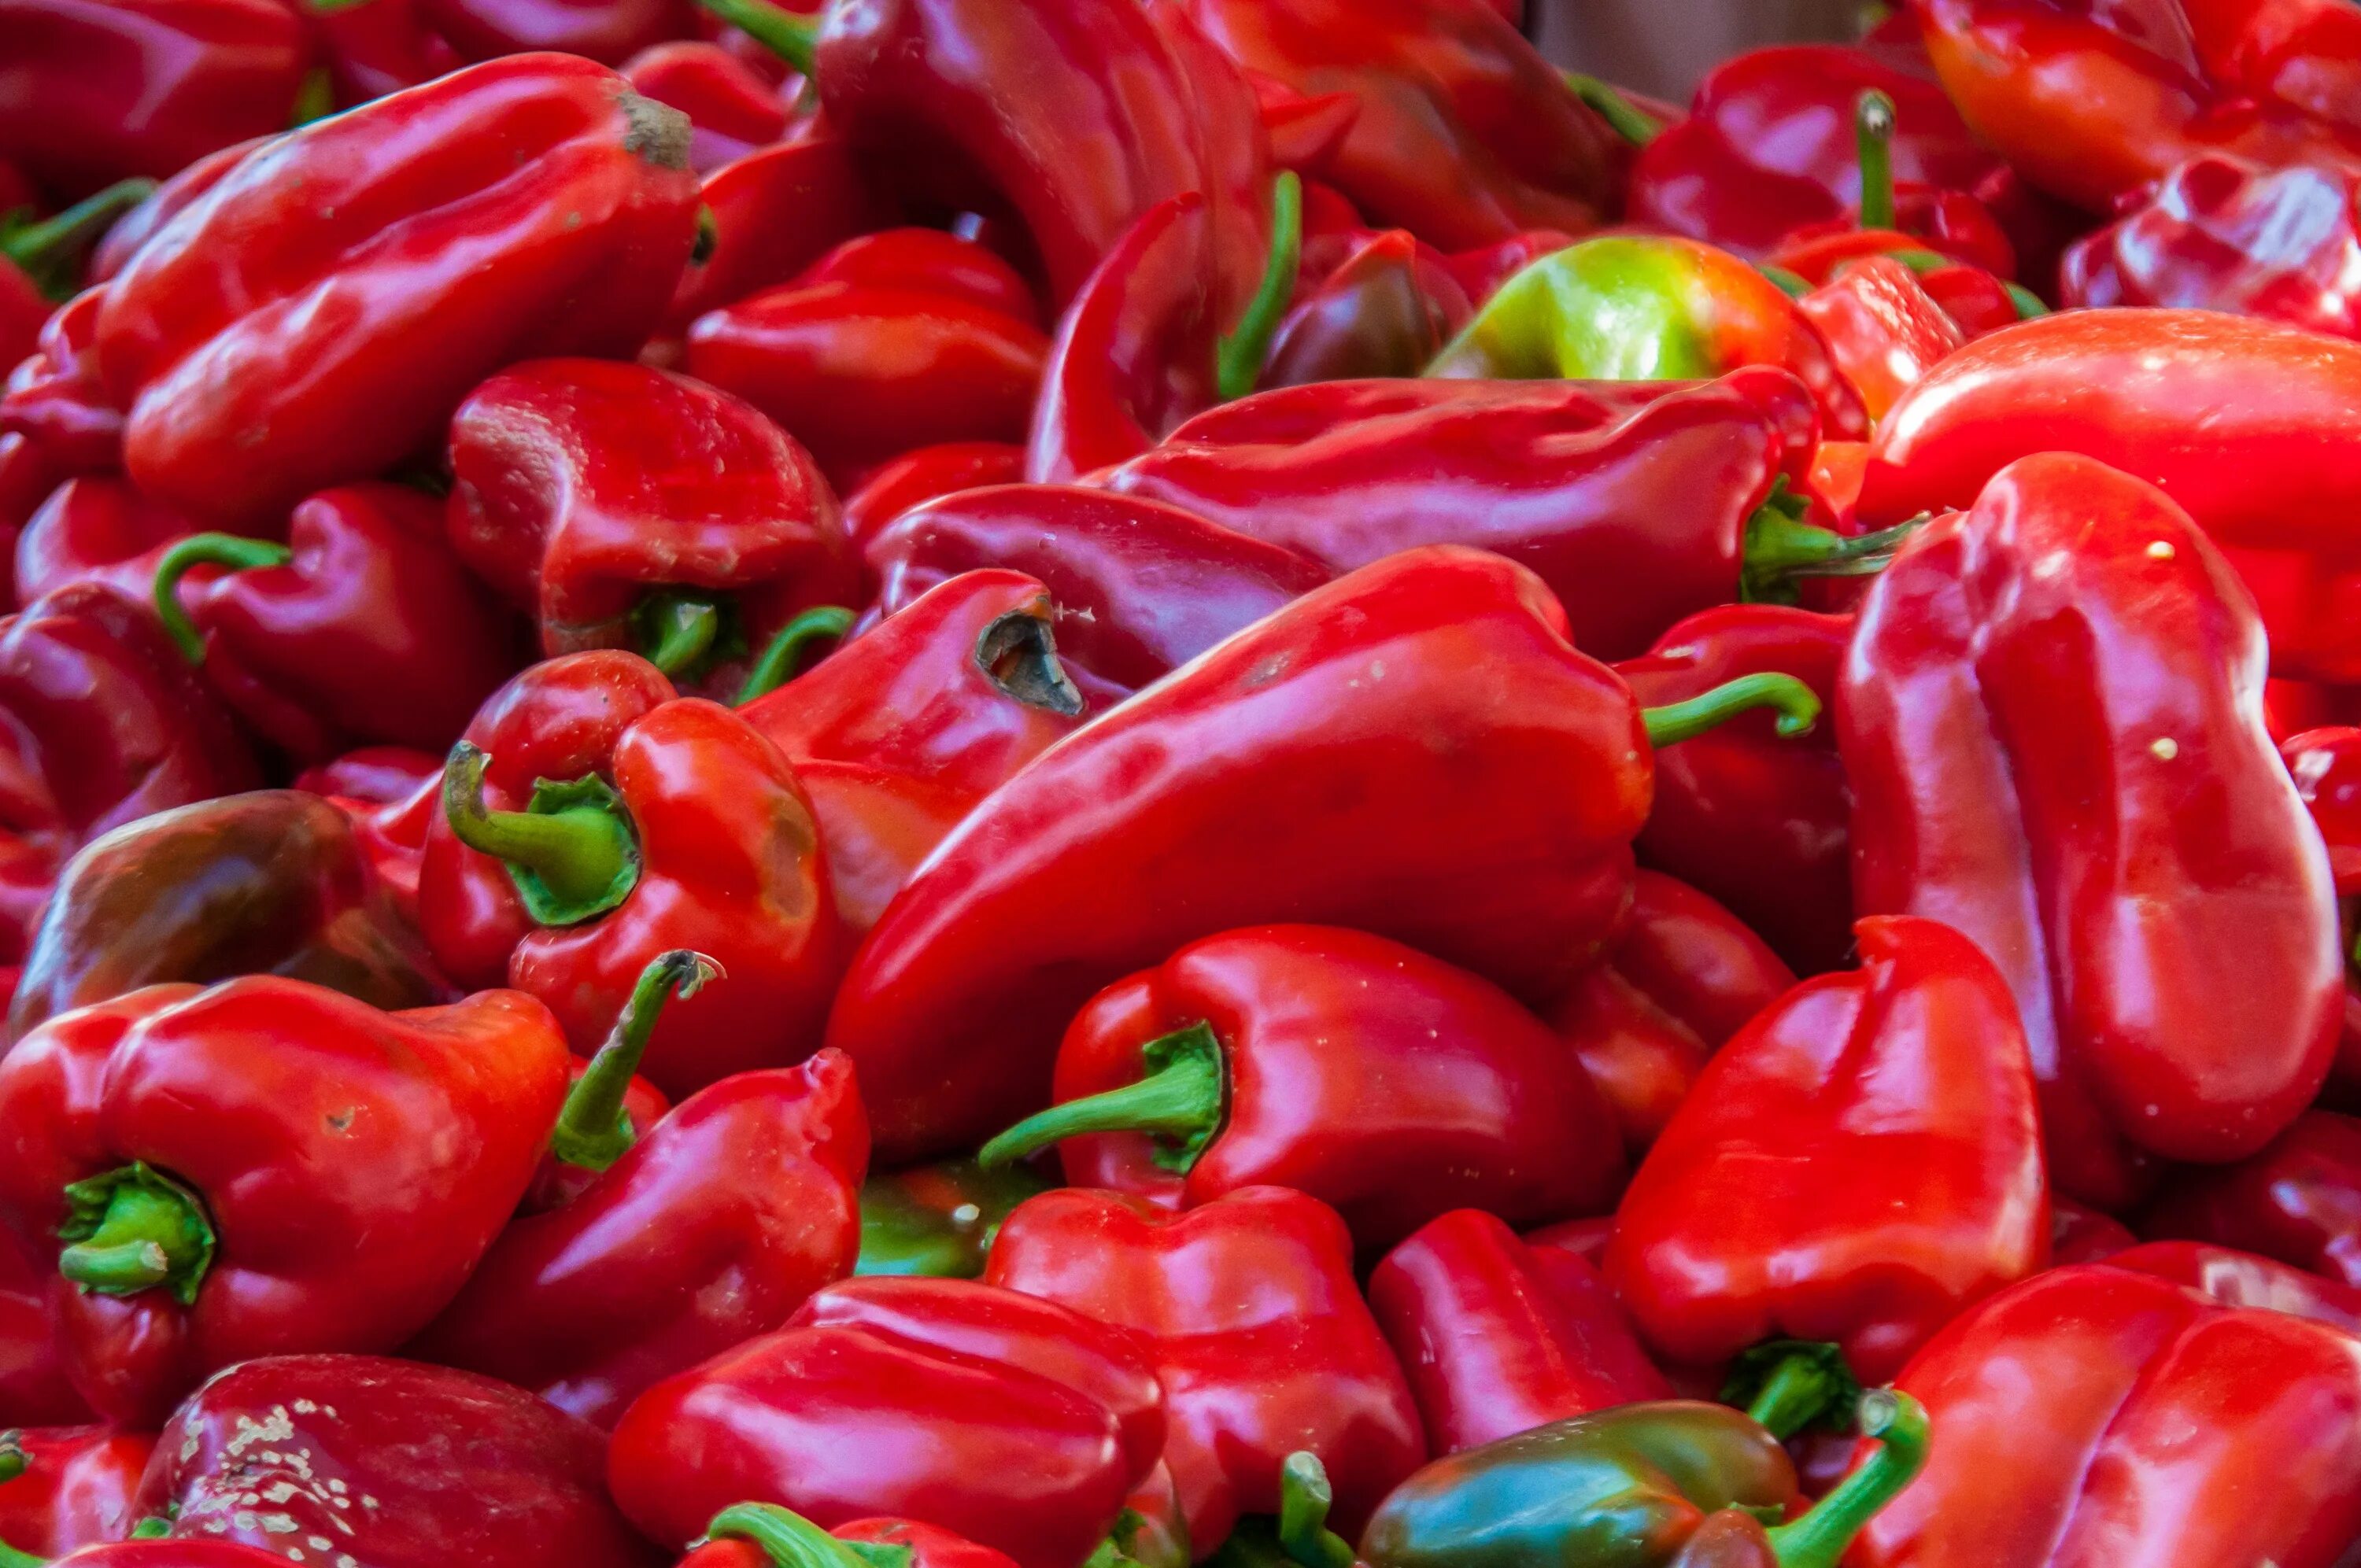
96,528
293,1449
774,212
165,202
376,46
1260,1335
764,1535
160,1553
2079,1234
733,109
1392,1086
623,507
1014,1420
34,1387
529,206
69,1487
2326,766
705,1230
56,400
1387,309
2297,1200
2051,716
2244,1279
1499,1336
609,31
239,1170
916,477
389,824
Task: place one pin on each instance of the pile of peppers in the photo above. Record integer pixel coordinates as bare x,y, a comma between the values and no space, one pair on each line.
1117,783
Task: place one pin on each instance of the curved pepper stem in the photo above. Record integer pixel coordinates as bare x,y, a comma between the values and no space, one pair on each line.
678,630
49,250
1624,117
1781,546
593,1130
229,550
1788,1385
1239,358
793,38
1304,1499
1799,705
1180,1102
787,656
134,1229
1873,131
1018,653
791,1540
571,852
1819,1538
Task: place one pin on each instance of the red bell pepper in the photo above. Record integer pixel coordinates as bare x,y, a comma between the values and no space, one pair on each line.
2326,766
66,1487
1392,1086
609,31
2079,1234
898,735
96,528
33,1384
1360,696
1884,330
1755,820
709,1228
1141,587
633,833
1260,1335
290,1451
764,1535
1857,1165
2297,1200
2243,1279
1013,1422
364,627
733,109
774,213
389,824
928,474
2051,716
2096,1415
1680,980
621,507
1499,1336
315,318
56,400
237,1171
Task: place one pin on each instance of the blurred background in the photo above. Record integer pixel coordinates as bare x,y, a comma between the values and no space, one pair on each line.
1662,46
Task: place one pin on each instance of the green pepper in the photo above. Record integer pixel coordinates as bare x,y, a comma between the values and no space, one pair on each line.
937,1220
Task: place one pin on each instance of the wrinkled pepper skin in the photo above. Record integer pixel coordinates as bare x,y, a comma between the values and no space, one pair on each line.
511,1484
937,1220
33,1384
2246,1280
55,399
1140,831
76,1489
270,882
1757,820
1012,1420
1141,587
2267,475
1632,504
1499,1336
229,1090
2298,1200
1857,1165
2095,1415
588,492
261,359
734,1545
1260,1338
1392,1086
2051,716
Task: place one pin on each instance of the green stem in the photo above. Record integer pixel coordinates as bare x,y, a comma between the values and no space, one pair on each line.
1788,1384
1819,1538
132,1230
678,630
1873,136
315,98
13,1458
794,38
1781,546
1238,358
1799,705
1624,117
791,1540
593,1130
12,1558
1180,1102
1304,1499
783,659
571,852
50,250
1792,284
2028,303
230,549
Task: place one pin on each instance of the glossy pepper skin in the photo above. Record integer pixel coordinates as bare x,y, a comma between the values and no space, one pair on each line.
75,1488
775,211
157,1133
764,1535
165,202
609,31
2051,716
366,627
1259,1333
1033,1422
2246,1280
621,507
33,1382
164,1553
2326,766
2297,1200
260,360
733,108
1857,1165
1884,330
1499,1336
517,1485
270,881
1156,824
1387,309
937,1220
1392,1086
928,474
1757,820
96,528
2092,1414
55,399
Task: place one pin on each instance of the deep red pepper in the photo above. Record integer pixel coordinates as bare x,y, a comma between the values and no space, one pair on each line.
734,110
96,528
1013,1420
161,1553
165,202
1884,330
529,206
774,212
895,487
238,1171
2326,766
376,47
389,827
2244,1279
609,31
2297,1200
1258,1332
1392,1086
623,507
764,1535
1499,1336
2305,53
1387,309
56,400
33,1384
2079,1234
515,1483
69,1487
2051,716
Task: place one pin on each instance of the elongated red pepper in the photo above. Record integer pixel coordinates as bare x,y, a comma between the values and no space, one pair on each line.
709,1229
1260,1338
774,213
894,488
96,528
341,1466
1389,1085
733,109
1031,1421
621,507
2051,716
764,1535
165,202
238,1171
529,206
72,1486
1499,1336
2297,1200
